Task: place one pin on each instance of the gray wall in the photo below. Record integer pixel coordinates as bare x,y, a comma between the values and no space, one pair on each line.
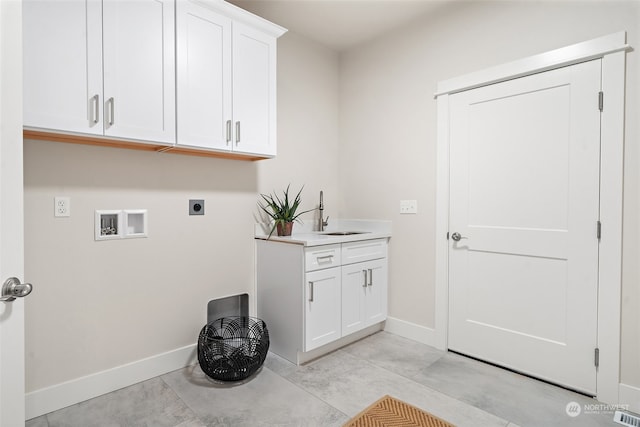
388,114
98,305
360,125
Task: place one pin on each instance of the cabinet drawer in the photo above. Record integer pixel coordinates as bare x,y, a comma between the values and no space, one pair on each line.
363,251
320,257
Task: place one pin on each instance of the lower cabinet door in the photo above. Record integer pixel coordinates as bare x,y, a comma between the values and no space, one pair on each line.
364,295
354,293
376,300
322,307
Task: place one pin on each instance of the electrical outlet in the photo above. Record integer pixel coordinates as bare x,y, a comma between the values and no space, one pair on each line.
62,206
408,206
196,207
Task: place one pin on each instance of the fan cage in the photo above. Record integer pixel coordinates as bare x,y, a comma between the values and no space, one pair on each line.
233,348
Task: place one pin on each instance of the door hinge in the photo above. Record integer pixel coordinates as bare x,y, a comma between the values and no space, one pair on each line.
598,230
596,357
601,100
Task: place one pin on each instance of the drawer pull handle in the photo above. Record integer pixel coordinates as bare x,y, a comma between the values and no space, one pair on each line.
310,291
326,258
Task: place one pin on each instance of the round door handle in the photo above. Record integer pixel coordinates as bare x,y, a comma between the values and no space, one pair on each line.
12,289
457,237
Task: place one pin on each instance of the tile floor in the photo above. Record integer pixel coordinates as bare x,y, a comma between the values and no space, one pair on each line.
331,390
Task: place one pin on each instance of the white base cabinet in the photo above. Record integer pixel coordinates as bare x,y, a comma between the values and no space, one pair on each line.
364,295
311,297
322,308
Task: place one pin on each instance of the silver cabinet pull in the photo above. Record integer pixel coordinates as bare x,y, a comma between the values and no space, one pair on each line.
310,291
228,131
12,289
237,132
96,108
364,282
326,258
112,111
370,277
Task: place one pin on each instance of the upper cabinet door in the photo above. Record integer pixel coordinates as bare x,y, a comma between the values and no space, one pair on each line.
139,69
204,77
63,65
254,91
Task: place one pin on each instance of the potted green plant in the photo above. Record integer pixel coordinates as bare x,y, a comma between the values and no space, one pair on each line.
282,210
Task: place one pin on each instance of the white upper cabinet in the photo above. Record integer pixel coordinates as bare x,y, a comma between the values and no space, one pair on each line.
254,91
100,67
184,75
139,64
226,79
62,44
204,77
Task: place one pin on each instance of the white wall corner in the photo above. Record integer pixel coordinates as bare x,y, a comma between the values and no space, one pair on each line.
409,330
58,396
630,395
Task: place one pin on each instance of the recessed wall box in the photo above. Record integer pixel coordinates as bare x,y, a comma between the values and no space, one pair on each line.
108,224
119,224
135,223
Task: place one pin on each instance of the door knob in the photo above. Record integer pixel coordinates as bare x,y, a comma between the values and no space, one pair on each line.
12,289
457,237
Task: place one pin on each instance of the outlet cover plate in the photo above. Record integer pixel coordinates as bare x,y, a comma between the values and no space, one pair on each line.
62,206
196,207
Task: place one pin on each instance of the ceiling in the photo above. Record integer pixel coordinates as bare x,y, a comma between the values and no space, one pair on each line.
340,24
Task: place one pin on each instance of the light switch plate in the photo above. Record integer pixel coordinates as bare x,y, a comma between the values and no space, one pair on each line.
408,206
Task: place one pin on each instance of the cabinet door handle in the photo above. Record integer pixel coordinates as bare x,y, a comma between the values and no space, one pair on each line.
237,132
112,111
370,277
310,291
328,258
364,282
228,131
96,108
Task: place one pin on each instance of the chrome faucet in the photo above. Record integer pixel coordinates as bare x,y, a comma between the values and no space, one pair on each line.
321,222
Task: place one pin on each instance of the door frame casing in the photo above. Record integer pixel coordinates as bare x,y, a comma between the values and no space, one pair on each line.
611,49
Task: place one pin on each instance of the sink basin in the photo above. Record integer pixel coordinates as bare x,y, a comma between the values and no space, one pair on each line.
345,233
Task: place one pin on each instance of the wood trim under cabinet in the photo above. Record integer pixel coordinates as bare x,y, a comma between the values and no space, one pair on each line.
133,145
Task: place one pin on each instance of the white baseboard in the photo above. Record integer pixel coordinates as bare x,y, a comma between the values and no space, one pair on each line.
630,395
411,331
45,400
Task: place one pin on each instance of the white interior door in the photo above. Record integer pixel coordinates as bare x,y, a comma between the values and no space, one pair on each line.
12,405
525,203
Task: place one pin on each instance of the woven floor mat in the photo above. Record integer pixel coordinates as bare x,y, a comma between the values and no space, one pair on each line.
391,412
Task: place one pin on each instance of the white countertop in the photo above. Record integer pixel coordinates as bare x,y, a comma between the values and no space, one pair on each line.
304,234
